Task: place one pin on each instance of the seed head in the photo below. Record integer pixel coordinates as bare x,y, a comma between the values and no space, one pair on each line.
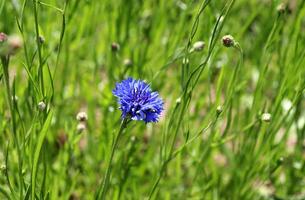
266,117
42,106
82,116
228,41
198,46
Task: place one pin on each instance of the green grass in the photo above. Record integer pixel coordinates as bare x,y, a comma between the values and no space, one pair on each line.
196,150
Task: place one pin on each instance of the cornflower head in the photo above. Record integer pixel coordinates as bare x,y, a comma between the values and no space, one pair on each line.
137,100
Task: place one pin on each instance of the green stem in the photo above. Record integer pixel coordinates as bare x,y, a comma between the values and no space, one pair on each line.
104,186
38,47
5,64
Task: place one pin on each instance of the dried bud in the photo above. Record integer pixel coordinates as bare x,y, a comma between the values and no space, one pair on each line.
128,63
62,138
198,46
41,106
115,47
82,116
228,41
3,37
81,127
266,117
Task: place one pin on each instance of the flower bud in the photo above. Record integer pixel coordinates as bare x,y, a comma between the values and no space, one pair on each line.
266,117
115,47
281,8
198,46
41,106
3,37
14,44
127,63
82,116
228,41
80,127
219,110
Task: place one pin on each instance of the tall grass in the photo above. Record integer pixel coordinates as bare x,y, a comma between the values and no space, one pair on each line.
213,140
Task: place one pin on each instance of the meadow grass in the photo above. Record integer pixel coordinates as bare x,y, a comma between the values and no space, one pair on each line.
233,125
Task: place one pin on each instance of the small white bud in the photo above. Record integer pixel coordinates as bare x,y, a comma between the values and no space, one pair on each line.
219,110
82,116
127,63
266,117
281,8
178,101
41,106
198,46
81,127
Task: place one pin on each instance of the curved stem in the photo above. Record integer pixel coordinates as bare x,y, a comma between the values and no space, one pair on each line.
104,185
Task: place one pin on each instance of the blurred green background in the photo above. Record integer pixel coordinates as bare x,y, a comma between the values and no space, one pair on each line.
71,54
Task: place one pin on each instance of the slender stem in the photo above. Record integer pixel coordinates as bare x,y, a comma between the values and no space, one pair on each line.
5,64
38,47
104,186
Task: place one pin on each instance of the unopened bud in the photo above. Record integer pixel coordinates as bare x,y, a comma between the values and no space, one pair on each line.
281,8
266,117
127,63
3,37
41,106
82,116
198,46
14,44
228,41
115,47
80,127
219,110
178,101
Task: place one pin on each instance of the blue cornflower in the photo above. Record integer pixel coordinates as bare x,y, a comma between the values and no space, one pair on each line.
137,101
